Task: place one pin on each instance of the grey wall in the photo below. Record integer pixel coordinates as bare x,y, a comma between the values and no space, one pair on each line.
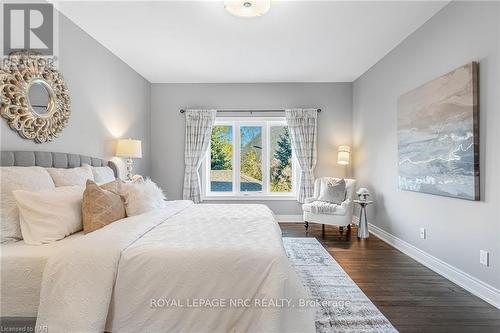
456,229
108,100
167,124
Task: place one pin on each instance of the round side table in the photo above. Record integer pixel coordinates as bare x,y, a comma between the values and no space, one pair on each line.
363,223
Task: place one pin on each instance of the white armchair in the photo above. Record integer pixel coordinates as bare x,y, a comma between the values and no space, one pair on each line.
342,216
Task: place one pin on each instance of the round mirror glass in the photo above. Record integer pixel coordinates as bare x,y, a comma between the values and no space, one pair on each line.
39,97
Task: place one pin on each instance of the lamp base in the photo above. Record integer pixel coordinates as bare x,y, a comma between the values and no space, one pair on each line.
129,169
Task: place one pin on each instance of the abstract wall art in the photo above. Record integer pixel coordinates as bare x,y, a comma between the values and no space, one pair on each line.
438,136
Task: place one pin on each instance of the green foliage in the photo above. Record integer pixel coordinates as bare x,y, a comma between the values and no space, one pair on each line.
251,164
281,164
284,151
221,150
221,153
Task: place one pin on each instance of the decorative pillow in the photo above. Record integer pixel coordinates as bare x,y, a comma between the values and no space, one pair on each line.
49,215
141,197
71,177
102,205
103,174
18,178
332,190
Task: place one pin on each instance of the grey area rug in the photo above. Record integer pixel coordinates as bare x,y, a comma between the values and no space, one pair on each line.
341,305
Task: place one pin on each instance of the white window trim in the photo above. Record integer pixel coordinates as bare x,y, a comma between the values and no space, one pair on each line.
236,195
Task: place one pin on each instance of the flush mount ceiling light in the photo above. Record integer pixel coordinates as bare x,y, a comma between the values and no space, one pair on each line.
247,8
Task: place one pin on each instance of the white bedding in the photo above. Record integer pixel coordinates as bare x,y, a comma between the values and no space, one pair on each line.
187,253
22,268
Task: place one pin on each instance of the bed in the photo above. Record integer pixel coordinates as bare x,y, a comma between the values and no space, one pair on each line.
184,268
22,272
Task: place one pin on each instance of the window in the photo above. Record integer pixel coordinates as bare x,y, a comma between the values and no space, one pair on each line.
250,157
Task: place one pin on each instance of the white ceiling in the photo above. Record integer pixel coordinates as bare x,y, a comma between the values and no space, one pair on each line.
297,41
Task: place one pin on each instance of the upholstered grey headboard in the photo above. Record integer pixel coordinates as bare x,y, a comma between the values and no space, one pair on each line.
51,160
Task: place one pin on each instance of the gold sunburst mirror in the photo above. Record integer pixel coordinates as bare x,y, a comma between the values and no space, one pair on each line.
35,99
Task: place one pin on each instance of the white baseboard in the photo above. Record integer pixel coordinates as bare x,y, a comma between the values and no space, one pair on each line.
290,218
475,286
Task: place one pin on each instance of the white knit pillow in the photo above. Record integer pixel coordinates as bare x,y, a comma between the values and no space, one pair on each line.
72,176
142,197
18,178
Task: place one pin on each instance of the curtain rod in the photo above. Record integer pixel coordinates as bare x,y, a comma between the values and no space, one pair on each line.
254,110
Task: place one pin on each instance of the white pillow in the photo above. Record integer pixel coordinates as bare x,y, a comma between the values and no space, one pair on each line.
71,177
103,174
49,215
332,190
18,178
141,197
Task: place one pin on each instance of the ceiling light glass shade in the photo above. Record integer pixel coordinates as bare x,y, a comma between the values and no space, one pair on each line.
344,154
247,8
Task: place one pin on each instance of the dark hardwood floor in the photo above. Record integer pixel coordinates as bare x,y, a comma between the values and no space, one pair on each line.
411,296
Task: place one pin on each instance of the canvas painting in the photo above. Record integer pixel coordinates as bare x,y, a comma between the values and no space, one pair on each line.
438,136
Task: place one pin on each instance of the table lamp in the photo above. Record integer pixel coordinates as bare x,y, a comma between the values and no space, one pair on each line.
130,149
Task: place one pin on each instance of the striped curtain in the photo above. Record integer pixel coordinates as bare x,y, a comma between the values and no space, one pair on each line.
302,124
199,125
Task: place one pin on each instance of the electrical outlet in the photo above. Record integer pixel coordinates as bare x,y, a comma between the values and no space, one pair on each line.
422,233
483,257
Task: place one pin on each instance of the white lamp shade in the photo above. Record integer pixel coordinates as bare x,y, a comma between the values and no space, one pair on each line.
247,8
344,155
129,148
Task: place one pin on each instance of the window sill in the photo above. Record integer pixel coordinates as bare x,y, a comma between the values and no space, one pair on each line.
249,198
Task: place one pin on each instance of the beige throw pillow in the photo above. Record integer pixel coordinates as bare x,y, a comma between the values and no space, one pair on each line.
102,205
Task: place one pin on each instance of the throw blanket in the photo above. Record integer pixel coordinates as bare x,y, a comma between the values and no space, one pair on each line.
323,207
156,272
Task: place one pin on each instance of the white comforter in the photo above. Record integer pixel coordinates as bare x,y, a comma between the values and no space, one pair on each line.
184,268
